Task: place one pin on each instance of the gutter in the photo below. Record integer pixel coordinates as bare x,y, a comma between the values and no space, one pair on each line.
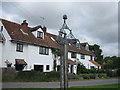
13,40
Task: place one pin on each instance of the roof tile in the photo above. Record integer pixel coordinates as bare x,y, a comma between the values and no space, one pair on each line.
13,30
95,63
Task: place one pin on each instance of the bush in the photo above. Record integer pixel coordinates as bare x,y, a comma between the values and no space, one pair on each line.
92,76
93,70
101,71
111,73
85,76
118,72
102,75
37,76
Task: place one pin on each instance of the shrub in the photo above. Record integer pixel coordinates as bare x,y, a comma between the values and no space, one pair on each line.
118,72
101,71
85,76
102,75
73,76
92,76
111,73
93,70
81,68
37,76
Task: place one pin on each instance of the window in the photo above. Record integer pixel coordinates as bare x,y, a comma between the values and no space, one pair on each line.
73,55
92,67
44,50
47,67
91,58
40,35
82,56
39,68
47,51
19,47
77,45
1,28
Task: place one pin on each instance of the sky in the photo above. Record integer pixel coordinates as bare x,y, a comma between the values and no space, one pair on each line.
92,22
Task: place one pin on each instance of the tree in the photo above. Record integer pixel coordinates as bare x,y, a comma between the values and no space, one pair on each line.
98,53
81,68
112,62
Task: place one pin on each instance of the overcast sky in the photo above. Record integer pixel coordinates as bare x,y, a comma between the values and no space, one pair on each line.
92,22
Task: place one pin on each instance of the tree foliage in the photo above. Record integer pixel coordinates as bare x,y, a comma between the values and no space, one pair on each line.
98,53
112,62
81,68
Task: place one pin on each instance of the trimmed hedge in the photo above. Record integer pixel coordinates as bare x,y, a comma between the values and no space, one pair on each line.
37,76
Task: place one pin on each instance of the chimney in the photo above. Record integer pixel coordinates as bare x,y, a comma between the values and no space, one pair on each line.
24,26
24,23
44,30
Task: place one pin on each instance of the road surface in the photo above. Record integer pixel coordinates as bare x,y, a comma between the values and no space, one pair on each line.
56,84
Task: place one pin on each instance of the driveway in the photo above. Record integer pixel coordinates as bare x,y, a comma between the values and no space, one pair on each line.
56,84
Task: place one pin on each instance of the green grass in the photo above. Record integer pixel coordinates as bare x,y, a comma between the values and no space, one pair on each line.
95,87
32,89
100,86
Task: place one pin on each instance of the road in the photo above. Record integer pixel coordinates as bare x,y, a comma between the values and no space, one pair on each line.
56,84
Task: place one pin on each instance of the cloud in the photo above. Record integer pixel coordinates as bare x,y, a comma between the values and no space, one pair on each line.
95,22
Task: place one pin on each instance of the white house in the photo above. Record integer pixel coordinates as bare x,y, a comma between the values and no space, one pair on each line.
31,49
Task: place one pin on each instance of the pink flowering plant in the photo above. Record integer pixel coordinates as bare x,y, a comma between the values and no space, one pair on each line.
8,63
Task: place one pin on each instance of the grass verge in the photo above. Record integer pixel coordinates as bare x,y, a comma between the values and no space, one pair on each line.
95,87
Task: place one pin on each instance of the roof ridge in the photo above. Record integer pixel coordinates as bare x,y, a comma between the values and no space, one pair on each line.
9,21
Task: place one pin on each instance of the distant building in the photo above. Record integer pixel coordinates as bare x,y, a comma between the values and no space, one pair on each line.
31,49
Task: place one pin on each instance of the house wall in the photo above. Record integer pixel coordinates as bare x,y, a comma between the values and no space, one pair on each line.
1,44
34,58
30,55
86,61
69,57
6,48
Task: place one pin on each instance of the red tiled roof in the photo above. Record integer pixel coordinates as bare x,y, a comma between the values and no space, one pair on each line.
95,63
84,43
104,63
71,62
13,30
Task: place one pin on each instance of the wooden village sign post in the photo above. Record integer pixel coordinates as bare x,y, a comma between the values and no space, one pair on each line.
64,39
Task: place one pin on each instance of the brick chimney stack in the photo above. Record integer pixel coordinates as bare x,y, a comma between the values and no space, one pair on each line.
44,30
24,26
24,23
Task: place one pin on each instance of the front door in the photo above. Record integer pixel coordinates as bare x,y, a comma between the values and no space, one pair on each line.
58,68
71,69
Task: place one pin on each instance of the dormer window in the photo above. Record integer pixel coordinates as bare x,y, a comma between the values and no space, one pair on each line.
39,34
87,47
77,45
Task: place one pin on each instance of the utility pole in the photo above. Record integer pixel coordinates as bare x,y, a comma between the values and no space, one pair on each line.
63,39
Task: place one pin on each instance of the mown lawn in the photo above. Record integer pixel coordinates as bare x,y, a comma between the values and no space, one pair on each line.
95,87
100,86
